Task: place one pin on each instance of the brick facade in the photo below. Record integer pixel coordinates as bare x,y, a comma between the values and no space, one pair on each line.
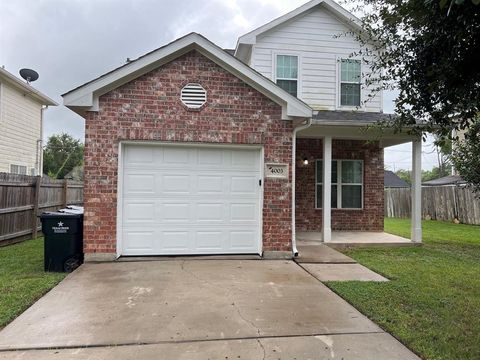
149,108
370,218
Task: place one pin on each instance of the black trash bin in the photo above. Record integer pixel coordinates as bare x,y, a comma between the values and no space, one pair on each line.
63,234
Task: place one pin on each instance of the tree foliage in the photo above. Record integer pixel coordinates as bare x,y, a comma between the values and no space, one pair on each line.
427,175
435,173
466,154
430,51
61,154
405,175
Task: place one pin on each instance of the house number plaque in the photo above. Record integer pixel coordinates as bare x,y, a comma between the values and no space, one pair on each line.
276,171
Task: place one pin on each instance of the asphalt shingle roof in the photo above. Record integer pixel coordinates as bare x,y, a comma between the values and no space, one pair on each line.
391,179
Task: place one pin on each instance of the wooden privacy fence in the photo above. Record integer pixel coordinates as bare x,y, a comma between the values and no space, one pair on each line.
444,203
23,197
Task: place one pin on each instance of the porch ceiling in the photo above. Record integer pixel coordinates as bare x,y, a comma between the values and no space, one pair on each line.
355,131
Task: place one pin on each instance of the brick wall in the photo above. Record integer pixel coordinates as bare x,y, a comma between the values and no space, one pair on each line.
370,218
149,108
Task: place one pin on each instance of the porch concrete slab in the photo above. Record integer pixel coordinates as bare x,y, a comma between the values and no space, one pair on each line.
320,253
104,304
354,239
380,346
342,272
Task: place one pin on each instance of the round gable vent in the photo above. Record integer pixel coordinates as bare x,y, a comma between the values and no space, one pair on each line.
193,96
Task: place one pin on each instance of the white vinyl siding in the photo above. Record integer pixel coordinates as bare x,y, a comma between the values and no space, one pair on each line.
313,38
347,184
20,124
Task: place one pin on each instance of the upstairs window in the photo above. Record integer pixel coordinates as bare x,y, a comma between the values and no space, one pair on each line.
287,73
350,77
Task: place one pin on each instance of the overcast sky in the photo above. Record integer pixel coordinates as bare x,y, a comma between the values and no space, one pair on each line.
69,42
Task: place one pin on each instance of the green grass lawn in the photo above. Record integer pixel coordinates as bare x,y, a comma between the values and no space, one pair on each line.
432,303
22,279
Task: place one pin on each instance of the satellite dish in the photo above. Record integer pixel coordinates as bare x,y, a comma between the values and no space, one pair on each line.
29,75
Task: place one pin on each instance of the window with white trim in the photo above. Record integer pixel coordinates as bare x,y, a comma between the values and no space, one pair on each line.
347,184
350,78
287,73
18,169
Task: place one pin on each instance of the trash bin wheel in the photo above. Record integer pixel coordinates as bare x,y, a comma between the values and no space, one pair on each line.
72,263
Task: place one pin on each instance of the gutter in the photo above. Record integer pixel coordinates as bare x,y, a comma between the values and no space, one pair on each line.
294,163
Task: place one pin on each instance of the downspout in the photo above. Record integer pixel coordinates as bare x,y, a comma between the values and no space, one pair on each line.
294,163
40,144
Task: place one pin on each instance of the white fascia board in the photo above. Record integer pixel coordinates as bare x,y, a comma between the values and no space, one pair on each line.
85,98
386,137
27,89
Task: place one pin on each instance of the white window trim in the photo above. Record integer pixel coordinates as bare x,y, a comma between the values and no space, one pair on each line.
299,71
338,85
339,184
19,165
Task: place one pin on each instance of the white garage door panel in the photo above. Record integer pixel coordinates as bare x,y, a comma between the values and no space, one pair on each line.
190,200
213,240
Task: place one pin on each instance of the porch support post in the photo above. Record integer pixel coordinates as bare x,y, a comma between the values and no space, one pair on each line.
327,189
416,230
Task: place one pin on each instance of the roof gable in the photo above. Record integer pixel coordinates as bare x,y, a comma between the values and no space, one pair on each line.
246,41
86,97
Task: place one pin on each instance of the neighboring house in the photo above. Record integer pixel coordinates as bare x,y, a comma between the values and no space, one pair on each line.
190,150
21,117
445,181
392,180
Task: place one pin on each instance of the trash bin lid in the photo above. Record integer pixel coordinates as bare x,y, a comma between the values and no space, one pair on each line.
75,207
54,214
71,211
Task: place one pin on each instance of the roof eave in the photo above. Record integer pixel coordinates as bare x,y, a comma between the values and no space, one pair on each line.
26,88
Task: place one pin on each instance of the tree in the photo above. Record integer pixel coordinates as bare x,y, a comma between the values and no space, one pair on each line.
427,175
405,175
61,154
430,51
466,154
435,173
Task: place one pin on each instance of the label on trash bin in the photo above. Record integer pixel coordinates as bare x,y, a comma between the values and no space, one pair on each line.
60,229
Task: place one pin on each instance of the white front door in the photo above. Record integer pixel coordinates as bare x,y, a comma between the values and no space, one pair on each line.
179,200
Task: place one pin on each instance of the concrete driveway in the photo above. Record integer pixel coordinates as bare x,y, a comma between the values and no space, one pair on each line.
195,309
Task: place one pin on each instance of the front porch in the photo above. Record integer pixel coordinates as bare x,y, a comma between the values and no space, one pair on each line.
340,239
339,185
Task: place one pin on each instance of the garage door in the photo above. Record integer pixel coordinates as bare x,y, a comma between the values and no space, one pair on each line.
179,200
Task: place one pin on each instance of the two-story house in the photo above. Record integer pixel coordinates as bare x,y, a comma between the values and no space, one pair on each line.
192,150
21,118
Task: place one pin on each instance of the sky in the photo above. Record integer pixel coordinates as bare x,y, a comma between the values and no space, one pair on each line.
69,42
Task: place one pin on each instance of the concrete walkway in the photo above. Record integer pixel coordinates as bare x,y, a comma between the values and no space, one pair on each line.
327,264
321,254
197,309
